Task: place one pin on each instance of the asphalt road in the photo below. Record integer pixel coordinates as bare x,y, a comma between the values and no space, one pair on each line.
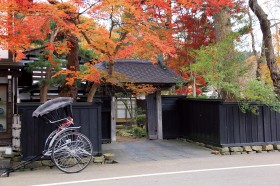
237,170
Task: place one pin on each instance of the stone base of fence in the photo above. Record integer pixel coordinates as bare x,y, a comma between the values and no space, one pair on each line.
239,149
249,149
14,159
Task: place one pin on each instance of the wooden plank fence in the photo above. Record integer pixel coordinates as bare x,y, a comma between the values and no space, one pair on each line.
219,123
34,132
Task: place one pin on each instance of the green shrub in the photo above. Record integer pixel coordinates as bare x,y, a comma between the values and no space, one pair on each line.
141,120
224,68
258,92
221,66
123,132
138,132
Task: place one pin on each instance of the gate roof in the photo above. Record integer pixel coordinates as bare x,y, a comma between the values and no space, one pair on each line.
139,71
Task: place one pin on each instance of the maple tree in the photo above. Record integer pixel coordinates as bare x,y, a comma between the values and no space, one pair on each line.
135,30
131,32
199,23
29,22
116,29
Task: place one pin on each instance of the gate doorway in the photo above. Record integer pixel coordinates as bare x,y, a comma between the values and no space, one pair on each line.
150,108
131,118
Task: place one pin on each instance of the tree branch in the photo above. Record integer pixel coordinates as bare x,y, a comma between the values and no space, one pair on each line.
267,39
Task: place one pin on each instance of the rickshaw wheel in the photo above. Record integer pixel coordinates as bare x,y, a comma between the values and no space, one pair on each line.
72,152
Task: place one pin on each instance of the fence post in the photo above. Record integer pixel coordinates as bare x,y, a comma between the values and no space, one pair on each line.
16,130
113,119
159,115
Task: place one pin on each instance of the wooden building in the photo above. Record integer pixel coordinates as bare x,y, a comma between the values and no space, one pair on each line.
9,73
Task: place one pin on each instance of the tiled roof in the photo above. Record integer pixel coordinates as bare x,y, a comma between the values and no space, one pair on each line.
11,65
139,71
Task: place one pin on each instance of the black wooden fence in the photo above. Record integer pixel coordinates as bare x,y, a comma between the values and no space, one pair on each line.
106,118
218,123
172,114
34,132
200,120
209,121
237,128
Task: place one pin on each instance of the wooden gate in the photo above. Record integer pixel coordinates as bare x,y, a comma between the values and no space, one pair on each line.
154,116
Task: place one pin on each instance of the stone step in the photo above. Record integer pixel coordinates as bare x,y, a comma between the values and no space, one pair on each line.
5,163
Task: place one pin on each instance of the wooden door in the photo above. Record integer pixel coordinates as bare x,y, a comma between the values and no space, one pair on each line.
152,125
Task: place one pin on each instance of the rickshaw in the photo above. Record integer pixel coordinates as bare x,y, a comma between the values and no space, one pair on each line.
70,150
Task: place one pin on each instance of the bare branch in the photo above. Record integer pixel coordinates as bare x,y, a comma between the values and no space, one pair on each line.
88,8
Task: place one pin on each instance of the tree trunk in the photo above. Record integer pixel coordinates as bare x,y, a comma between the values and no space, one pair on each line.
44,93
92,92
72,56
267,39
111,67
194,83
259,59
45,87
222,24
277,38
73,65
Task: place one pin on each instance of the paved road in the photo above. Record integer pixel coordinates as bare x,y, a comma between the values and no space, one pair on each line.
154,150
236,170
253,169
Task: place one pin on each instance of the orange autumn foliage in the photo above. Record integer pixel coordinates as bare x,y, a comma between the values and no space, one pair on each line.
91,74
142,89
112,29
265,73
70,76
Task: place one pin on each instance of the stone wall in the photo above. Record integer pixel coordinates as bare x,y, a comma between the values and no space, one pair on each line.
239,149
248,149
14,160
